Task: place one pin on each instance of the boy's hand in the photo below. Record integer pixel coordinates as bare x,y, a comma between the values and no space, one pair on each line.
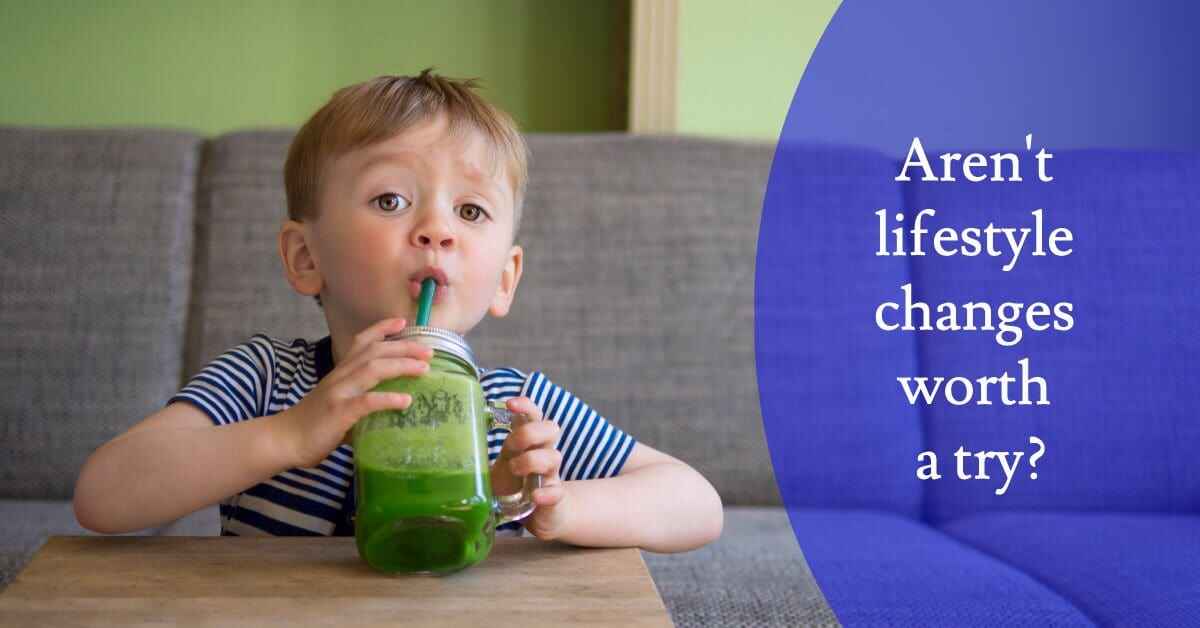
528,449
322,420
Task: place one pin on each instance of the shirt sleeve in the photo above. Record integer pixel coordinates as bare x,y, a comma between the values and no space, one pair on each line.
234,386
591,447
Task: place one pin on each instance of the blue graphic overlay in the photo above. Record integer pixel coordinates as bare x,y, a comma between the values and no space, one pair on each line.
977,283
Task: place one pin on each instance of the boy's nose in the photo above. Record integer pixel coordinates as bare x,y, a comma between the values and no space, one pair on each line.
433,234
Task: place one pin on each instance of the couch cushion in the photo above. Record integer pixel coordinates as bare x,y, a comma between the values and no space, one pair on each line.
240,287
632,296
1120,431
839,435
95,259
638,294
754,575
1119,569
881,569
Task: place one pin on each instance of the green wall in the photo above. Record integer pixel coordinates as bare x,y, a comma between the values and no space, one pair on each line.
739,63
220,65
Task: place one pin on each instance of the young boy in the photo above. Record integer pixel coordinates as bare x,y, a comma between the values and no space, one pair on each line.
394,180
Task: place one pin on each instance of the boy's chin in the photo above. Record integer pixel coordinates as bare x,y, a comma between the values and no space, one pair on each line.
461,325
452,323
453,319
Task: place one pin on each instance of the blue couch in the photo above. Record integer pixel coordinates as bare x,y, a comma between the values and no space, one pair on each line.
1109,532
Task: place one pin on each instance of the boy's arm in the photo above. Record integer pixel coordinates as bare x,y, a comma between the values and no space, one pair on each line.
177,461
173,463
657,503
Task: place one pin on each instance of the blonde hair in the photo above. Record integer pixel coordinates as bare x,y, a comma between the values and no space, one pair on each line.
372,111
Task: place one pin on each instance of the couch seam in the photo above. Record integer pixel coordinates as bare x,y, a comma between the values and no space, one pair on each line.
908,202
1062,595
193,317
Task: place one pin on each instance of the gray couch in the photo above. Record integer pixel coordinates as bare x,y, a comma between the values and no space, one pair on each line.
131,257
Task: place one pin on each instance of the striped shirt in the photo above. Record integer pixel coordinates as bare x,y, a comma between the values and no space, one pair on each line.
264,376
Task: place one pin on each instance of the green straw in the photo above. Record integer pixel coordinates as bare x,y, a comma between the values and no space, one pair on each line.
426,303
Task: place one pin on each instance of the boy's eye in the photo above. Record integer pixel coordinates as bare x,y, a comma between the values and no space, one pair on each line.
471,212
390,202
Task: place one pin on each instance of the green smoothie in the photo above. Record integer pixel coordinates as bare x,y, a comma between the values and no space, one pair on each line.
424,496
417,524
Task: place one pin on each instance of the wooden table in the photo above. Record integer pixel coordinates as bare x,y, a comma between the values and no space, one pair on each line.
226,581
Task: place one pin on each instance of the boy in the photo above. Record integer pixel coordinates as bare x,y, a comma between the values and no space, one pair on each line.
393,181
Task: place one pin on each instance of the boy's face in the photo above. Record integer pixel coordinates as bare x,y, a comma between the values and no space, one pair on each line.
422,203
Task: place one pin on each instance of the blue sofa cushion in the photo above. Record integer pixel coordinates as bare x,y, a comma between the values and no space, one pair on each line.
837,434
1119,569
881,569
1120,427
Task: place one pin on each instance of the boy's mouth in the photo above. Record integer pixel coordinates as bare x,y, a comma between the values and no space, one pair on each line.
415,279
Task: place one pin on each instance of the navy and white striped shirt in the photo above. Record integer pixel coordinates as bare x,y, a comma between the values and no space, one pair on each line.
264,376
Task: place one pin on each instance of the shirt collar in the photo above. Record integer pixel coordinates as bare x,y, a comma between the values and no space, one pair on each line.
323,356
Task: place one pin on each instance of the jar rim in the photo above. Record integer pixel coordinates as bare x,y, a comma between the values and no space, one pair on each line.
440,339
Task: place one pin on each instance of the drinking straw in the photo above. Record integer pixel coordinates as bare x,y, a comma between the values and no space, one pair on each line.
426,303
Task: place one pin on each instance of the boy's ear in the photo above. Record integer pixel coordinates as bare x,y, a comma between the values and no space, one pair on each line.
509,278
299,263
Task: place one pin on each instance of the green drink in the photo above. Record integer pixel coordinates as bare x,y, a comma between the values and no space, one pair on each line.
432,531
424,495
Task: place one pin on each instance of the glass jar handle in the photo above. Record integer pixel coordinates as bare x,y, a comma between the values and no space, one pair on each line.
518,505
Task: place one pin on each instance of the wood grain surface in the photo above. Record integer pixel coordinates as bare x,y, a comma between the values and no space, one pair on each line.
228,581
